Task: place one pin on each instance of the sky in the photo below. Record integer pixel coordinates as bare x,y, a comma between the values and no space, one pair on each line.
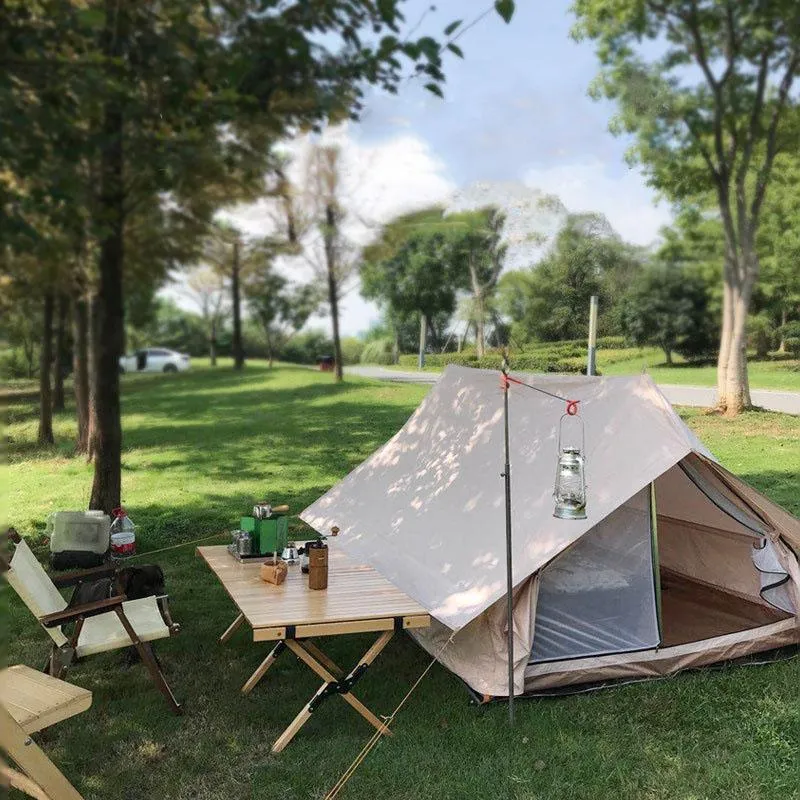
516,114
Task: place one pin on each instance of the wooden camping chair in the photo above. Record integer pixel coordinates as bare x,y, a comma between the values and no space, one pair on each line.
111,624
31,701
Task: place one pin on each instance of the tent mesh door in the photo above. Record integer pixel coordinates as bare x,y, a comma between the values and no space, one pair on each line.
600,596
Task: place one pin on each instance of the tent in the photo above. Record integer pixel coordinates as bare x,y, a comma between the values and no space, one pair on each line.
679,563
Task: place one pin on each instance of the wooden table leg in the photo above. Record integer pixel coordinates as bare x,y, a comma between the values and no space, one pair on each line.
26,753
232,628
333,685
263,667
326,662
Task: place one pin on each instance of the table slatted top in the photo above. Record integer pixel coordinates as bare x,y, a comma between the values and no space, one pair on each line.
355,593
37,700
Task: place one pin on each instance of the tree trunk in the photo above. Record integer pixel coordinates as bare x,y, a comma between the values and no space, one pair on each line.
91,361
782,343
61,352
45,366
333,289
80,368
29,348
423,329
108,343
667,354
480,347
733,386
238,350
212,345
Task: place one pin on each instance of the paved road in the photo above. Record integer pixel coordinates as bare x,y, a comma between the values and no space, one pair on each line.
700,396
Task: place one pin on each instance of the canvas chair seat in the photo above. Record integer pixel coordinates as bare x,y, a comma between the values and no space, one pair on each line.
105,632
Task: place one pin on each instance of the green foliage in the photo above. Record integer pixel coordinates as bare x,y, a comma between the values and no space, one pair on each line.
761,334
279,308
307,347
410,269
380,351
550,301
170,326
668,306
352,349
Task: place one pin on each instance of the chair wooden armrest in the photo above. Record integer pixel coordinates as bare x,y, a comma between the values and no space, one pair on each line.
63,579
85,610
163,607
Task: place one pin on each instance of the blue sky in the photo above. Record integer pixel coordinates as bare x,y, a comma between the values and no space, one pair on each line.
518,98
516,109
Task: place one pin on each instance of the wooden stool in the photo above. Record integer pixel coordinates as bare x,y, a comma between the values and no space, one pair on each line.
31,701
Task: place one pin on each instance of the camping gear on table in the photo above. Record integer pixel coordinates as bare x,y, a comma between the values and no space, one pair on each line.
274,571
317,565
289,554
265,510
123,536
658,578
78,539
268,527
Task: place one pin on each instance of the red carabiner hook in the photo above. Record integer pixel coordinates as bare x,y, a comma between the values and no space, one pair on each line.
572,407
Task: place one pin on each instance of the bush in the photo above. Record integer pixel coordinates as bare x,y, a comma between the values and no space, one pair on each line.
381,351
793,345
13,365
351,350
307,347
525,362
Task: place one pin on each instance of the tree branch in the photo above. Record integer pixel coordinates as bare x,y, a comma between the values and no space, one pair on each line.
772,137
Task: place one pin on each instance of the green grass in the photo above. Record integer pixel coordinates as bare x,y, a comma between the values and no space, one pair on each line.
199,448
776,375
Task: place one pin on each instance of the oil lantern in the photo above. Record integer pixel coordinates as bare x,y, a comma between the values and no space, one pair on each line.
570,486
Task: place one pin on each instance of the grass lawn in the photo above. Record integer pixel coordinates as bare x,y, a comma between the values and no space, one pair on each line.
199,448
775,375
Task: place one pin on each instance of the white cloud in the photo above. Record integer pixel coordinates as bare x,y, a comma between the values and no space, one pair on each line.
626,200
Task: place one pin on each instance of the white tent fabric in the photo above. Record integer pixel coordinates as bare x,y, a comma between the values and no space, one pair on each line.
426,510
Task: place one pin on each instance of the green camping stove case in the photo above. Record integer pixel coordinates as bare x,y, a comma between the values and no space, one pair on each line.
269,535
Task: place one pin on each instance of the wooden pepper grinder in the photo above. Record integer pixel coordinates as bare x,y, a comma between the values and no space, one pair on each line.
318,562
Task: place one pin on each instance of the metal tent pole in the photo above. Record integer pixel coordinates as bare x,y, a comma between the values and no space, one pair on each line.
509,571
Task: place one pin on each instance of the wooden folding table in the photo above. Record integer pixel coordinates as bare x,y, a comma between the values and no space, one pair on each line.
357,600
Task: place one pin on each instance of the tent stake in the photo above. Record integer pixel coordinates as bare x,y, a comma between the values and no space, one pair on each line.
509,571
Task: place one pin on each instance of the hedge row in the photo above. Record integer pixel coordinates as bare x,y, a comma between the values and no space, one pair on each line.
528,362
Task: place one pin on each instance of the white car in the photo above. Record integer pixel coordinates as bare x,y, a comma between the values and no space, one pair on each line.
154,359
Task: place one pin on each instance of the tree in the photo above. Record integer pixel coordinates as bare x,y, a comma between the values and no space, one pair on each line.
410,270
550,301
328,251
478,256
717,126
153,98
206,287
279,308
668,306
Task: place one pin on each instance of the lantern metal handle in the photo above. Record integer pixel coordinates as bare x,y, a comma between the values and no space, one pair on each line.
583,430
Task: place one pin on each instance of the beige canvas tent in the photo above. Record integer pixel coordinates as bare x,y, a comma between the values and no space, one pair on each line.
678,564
